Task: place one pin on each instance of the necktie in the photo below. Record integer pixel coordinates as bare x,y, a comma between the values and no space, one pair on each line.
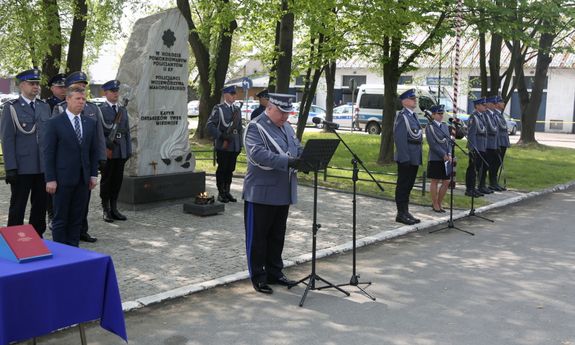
77,128
32,106
115,110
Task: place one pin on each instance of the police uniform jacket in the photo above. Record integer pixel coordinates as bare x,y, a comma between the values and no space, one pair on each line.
476,133
408,138
502,134
269,180
91,111
122,147
222,126
438,140
492,129
53,101
258,111
22,140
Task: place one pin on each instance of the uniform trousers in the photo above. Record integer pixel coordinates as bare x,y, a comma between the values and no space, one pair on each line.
471,172
265,234
493,160
482,167
111,179
226,166
33,186
406,174
69,213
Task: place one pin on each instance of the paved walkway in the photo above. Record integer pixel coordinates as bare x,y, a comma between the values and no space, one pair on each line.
161,252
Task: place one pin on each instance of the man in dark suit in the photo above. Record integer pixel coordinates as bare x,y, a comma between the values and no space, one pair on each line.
21,133
71,166
119,150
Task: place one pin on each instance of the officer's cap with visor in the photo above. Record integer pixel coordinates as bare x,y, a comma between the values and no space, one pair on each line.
229,89
57,80
408,94
112,85
282,101
76,77
437,109
478,101
263,94
29,75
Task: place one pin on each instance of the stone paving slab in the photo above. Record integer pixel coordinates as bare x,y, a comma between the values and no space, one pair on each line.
161,252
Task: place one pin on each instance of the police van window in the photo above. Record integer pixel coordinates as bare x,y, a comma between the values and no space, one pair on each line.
371,101
425,103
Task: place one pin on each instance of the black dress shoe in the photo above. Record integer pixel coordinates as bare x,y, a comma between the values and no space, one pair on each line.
223,198
88,238
485,190
283,280
263,288
416,220
230,197
404,219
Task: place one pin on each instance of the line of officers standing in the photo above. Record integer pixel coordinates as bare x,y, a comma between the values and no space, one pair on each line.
487,141
24,125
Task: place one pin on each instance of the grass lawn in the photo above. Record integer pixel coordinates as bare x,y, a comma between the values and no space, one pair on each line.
526,168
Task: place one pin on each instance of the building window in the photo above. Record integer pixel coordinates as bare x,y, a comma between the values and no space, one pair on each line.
359,80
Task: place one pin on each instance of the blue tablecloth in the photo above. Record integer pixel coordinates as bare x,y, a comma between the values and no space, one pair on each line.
74,286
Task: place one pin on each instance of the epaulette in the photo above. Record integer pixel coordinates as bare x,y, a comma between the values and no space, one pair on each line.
40,100
90,102
12,101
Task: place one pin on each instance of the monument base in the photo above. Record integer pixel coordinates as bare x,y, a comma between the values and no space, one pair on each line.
204,210
147,189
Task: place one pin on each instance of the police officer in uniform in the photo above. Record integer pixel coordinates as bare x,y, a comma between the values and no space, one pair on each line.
492,142
437,135
225,126
476,143
91,111
119,150
21,132
270,186
408,138
57,85
263,97
503,134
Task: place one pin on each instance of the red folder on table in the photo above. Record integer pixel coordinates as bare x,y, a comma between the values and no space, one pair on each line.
21,243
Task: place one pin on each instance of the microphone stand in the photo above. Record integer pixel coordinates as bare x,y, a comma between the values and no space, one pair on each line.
354,280
453,144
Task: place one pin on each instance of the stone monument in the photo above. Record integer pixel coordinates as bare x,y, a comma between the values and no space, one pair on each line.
154,73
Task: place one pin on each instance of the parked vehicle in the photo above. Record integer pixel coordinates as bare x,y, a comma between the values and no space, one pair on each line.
343,115
193,108
314,111
247,108
369,108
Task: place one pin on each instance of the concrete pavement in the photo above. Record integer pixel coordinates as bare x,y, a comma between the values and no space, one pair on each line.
511,284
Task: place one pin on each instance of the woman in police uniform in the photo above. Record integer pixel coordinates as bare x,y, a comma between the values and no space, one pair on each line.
437,134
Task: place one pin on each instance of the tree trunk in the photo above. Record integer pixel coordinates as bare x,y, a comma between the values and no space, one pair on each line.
51,63
495,64
272,77
482,64
77,37
391,75
330,69
210,94
283,70
531,108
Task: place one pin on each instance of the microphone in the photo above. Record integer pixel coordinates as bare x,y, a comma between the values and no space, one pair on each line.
455,121
327,124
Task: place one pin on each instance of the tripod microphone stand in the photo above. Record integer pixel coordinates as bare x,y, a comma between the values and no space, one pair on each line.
316,154
354,280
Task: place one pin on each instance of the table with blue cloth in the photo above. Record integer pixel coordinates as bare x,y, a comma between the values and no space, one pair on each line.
72,287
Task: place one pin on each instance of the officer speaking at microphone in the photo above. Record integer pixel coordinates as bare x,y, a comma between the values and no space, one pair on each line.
21,132
270,187
118,150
